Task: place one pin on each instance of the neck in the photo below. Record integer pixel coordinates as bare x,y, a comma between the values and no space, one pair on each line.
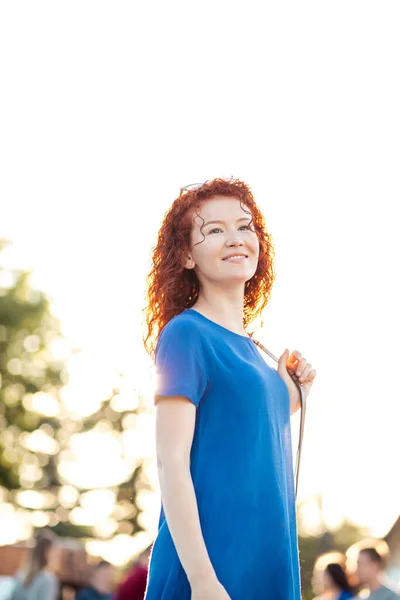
333,594
375,584
223,306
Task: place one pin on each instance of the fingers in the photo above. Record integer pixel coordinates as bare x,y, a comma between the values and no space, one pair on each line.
305,373
308,376
300,367
283,359
293,361
295,356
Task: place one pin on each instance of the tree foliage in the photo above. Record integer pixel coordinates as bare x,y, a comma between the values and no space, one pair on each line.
36,428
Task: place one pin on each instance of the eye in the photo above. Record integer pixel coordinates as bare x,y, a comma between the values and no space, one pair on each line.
215,230
245,228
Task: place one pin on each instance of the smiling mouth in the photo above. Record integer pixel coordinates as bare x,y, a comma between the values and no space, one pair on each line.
235,257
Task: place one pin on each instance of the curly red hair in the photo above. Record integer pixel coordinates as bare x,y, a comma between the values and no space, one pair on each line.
171,287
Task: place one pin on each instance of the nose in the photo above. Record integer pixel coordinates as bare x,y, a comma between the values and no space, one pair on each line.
234,241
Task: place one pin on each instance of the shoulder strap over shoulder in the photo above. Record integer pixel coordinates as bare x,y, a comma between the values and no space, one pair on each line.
302,410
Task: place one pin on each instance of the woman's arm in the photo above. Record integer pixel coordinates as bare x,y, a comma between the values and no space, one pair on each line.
175,422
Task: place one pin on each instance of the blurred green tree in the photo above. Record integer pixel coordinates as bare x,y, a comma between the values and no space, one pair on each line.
31,376
36,428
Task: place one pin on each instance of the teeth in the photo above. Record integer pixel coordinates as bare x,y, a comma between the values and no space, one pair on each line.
236,256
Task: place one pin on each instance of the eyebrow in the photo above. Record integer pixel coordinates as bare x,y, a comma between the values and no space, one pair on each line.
224,222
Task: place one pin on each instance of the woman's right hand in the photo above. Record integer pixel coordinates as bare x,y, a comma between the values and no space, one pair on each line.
209,590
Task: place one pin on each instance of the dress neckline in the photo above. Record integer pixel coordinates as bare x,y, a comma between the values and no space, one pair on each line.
199,314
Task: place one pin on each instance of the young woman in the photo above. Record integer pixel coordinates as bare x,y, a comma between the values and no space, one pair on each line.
228,522
35,582
335,583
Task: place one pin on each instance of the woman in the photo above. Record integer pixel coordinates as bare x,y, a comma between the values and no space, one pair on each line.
335,585
228,524
35,582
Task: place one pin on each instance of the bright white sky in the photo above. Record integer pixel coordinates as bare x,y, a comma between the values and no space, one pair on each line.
107,109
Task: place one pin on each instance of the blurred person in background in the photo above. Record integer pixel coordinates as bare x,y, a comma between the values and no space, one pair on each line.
332,584
34,581
101,585
134,585
371,575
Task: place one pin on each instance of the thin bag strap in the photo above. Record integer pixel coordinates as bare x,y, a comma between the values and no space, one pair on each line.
302,411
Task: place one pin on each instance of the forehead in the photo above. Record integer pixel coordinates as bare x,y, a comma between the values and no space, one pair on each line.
223,208
363,559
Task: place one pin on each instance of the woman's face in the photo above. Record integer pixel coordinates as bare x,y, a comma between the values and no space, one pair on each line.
328,583
224,246
317,581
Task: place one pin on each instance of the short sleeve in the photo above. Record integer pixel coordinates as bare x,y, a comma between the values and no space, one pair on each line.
48,587
180,362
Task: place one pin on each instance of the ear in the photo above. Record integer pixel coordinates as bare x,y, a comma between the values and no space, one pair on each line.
188,261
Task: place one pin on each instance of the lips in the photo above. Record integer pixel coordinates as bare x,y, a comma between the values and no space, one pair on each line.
235,257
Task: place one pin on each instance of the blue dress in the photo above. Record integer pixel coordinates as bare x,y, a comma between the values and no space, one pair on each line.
241,463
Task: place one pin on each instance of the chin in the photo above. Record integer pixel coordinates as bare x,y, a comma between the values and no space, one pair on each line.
238,279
